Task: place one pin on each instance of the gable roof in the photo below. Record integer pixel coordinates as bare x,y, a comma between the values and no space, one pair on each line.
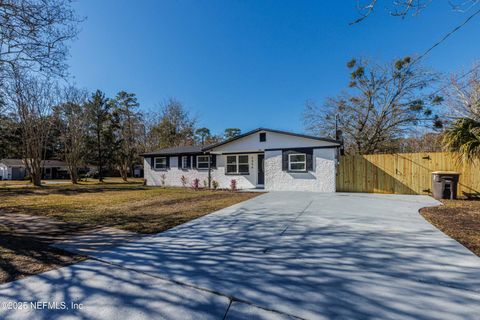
43,164
12,162
198,149
175,151
275,131
53,163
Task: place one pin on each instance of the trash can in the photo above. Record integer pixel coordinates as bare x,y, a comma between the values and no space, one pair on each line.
444,184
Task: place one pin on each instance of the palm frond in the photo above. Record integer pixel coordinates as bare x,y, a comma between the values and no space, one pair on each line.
464,137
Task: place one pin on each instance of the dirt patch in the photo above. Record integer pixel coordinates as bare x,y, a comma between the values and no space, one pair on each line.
23,256
24,245
459,219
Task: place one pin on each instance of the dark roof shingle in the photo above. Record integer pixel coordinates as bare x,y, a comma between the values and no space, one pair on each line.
44,163
326,139
12,162
198,149
175,150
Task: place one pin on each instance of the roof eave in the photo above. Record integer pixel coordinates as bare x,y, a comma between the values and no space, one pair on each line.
153,154
275,131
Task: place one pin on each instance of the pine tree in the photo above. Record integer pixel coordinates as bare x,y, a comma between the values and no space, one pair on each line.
99,131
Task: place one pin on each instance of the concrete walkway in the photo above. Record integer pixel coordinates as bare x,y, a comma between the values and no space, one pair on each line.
277,256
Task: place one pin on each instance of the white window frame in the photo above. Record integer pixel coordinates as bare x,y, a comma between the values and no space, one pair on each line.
156,163
304,162
184,162
207,162
237,164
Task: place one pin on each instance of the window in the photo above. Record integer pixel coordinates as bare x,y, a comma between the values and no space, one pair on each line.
263,136
297,162
202,162
184,162
160,163
237,164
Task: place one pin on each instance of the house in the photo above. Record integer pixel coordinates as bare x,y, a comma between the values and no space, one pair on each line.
261,158
15,169
138,171
12,169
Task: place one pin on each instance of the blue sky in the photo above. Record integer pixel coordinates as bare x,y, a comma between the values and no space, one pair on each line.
250,63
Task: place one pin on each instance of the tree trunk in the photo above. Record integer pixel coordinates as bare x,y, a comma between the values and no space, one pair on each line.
100,177
73,174
99,150
123,168
37,180
34,170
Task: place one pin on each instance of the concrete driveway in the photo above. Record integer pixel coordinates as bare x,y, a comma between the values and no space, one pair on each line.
278,256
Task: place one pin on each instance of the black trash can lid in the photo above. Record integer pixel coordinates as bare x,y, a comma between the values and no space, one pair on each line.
446,172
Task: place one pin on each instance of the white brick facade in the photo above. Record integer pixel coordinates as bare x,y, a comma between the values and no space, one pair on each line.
173,175
321,179
319,176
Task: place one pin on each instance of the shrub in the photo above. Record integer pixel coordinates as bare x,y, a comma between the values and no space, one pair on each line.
205,184
233,185
214,184
196,184
184,181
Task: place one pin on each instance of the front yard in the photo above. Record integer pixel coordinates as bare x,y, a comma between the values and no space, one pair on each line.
127,206
459,219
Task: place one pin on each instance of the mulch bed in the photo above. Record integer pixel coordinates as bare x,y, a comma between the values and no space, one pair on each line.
459,219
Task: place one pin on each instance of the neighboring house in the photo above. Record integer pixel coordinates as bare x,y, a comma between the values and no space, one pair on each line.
138,171
261,158
14,169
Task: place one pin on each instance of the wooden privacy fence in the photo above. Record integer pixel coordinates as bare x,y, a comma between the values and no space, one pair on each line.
404,173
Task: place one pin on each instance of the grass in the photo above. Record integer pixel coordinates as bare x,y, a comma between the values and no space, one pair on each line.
131,207
459,219
128,206
27,183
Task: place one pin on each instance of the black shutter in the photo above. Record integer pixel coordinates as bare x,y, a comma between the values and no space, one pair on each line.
168,162
194,161
213,161
189,162
152,164
285,160
310,160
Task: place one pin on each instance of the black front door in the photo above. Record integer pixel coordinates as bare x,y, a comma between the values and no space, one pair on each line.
261,169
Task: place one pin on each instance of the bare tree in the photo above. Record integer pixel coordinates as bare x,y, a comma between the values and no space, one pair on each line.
402,8
426,141
175,127
72,120
34,35
147,137
383,104
462,134
463,95
32,100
